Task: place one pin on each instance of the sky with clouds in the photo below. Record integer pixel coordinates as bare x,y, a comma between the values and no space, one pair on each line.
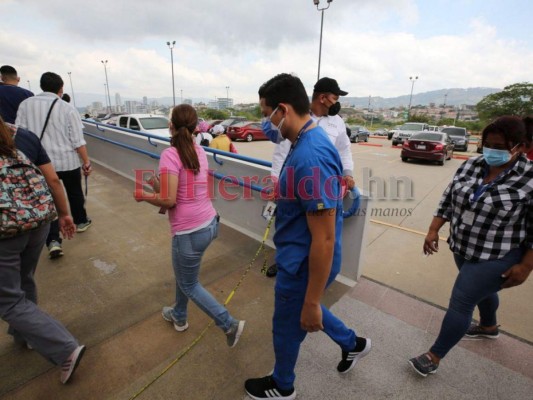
371,47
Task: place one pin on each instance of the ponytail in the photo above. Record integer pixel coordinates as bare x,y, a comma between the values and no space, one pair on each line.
184,120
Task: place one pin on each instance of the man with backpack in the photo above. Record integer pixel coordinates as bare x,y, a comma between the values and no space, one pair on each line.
58,125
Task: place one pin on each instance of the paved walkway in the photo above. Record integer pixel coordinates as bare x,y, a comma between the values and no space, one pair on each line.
114,279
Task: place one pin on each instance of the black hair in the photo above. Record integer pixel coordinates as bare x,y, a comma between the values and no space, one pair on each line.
51,82
66,97
510,127
8,70
285,88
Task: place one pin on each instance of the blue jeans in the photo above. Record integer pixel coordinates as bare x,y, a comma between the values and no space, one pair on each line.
477,284
288,335
187,252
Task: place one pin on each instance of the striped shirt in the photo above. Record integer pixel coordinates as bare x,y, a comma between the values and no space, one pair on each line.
489,220
64,132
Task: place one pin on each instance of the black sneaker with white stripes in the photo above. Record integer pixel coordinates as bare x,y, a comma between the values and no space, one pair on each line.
350,358
266,388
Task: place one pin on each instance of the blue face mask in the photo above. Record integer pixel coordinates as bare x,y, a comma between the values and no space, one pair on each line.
496,158
273,128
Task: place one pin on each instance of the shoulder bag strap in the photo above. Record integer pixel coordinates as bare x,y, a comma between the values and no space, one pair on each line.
48,117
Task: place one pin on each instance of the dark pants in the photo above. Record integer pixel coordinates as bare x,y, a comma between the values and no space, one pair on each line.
18,298
76,199
477,284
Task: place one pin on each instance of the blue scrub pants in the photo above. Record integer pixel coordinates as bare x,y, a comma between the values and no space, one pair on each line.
288,335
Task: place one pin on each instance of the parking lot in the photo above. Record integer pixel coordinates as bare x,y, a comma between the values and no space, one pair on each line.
404,197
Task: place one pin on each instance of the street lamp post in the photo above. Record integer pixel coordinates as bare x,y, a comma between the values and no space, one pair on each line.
413,80
29,85
72,88
444,105
316,3
370,111
105,96
227,93
181,97
171,47
107,84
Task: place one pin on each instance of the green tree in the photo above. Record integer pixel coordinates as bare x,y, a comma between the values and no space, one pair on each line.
419,118
211,113
516,99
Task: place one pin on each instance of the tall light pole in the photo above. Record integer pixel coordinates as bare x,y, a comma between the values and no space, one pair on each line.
29,85
107,84
181,96
444,105
321,9
105,96
413,80
72,88
369,111
171,47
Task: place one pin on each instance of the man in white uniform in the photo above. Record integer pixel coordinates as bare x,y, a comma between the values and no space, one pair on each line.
324,111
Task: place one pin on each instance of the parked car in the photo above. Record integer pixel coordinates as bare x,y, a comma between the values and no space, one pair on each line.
391,132
109,119
432,146
213,122
148,123
405,131
231,121
381,132
459,136
359,134
433,128
246,130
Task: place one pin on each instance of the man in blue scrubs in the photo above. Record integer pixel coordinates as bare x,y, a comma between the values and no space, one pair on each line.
307,239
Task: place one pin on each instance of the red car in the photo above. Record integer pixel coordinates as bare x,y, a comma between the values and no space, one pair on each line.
246,130
431,146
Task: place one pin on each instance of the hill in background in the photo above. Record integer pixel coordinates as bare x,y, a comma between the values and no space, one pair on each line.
455,97
452,97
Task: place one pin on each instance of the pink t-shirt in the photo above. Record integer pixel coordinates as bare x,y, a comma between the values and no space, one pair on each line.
193,205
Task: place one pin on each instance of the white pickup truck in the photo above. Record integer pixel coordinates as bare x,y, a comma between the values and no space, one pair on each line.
405,131
156,125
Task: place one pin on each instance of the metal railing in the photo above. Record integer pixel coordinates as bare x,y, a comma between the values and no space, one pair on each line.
132,150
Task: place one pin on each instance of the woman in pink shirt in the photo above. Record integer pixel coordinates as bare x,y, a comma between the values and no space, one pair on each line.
183,189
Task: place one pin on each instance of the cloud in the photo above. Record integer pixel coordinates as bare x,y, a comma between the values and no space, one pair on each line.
370,47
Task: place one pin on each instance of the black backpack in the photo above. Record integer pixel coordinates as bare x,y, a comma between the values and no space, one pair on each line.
204,142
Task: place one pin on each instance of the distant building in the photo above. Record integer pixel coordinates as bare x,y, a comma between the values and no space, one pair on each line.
145,100
133,107
187,101
213,104
224,102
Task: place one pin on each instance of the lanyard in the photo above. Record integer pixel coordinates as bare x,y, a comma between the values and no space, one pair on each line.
486,186
293,145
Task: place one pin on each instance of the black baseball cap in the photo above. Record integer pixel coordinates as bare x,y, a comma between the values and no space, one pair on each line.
328,85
